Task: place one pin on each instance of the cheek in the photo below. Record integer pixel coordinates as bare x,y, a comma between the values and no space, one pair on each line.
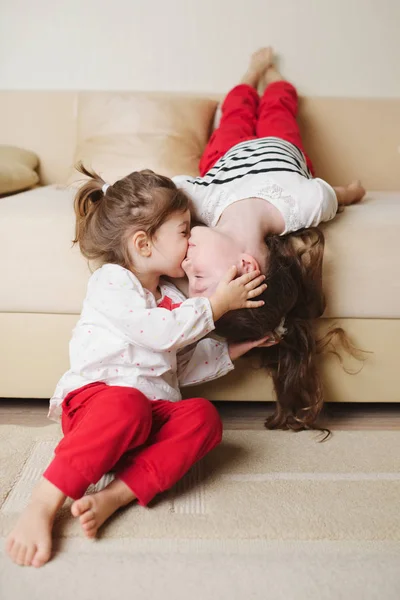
218,252
181,248
202,287
212,284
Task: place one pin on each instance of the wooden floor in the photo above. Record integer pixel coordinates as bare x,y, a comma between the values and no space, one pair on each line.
235,415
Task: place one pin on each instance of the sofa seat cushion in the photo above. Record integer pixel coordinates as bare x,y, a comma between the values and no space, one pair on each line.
43,273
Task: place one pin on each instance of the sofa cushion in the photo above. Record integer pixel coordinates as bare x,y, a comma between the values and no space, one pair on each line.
17,169
43,273
123,132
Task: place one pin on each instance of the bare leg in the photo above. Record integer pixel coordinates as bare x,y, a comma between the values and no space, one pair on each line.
270,75
94,509
29,543
350,194
259,63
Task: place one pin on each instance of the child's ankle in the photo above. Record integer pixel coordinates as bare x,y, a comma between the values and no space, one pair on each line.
119,493
47,496
251,78
271,75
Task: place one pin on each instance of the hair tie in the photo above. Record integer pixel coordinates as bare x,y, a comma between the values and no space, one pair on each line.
105,187
280,330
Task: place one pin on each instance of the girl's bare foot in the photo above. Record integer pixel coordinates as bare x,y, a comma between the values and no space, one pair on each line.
94,509
259,63
29,543
350,194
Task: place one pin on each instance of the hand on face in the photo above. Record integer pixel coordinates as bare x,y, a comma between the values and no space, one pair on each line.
237,292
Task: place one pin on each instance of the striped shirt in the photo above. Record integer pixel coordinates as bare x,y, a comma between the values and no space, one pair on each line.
269,168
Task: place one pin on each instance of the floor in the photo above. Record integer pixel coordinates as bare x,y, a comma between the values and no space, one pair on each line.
235,415
283,569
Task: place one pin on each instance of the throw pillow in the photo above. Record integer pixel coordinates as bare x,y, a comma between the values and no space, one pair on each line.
17,169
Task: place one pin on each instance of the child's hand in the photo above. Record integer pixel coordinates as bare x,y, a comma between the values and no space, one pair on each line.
234,293
236,350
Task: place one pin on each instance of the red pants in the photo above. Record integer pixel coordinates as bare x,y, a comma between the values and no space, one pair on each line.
247,117
150,445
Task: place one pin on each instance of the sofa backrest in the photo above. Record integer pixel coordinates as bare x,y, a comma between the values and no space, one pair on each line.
120,132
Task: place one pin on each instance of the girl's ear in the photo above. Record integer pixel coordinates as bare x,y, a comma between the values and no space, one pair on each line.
247,264
141,243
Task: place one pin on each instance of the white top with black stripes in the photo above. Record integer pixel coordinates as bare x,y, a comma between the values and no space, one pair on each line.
269,168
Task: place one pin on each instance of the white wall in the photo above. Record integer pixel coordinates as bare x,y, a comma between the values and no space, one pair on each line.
327,47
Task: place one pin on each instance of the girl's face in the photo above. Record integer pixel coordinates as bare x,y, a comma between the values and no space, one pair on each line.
170,244
209,256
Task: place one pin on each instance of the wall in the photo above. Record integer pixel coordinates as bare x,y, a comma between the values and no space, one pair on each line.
345,48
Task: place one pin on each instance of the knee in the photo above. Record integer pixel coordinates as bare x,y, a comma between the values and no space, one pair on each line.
130,406
205,417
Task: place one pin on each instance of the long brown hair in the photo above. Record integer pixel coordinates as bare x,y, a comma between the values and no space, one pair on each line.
294,292
142,200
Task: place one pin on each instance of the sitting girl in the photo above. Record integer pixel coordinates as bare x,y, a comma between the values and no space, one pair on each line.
136,342
261,204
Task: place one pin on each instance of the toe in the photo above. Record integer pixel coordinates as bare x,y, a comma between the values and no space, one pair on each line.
80,506
10,544
86,517
20,557
41,556
30,553
89,525
14,551
90,532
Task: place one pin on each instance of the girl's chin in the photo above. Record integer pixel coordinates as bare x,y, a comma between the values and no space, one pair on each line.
177,274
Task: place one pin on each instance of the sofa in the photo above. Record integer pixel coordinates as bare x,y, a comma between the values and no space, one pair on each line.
43,278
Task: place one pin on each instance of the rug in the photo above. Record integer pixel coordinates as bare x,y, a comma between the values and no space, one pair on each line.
265,505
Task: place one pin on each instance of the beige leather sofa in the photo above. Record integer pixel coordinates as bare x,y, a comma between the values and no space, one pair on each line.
43,279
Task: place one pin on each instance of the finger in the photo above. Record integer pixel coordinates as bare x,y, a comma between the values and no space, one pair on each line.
230,274
254,303
267,342
257,291
247,277
257,343
262,340
255,282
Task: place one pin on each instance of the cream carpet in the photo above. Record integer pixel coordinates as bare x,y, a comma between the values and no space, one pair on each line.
266,515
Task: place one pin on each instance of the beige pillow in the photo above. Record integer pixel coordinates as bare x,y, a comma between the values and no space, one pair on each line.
17,169
123,132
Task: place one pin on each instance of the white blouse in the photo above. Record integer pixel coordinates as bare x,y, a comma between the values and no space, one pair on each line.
268,168
124,337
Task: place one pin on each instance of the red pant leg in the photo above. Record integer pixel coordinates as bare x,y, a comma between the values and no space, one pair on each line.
100,424
183,432
277,115
238,124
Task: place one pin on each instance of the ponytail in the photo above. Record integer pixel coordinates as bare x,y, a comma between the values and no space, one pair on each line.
87,199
